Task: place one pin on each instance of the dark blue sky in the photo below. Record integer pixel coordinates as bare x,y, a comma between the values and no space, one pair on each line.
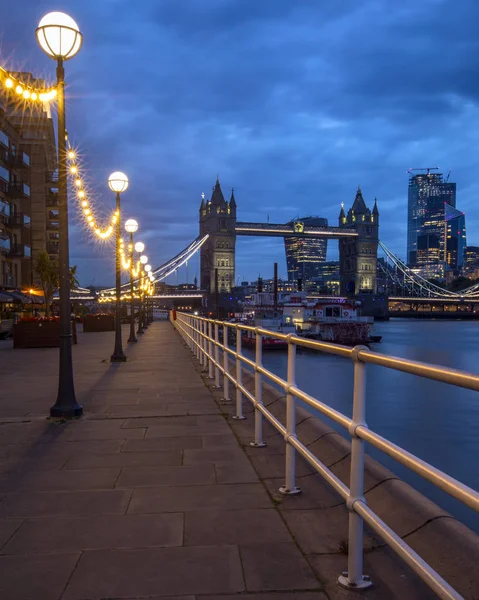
292,102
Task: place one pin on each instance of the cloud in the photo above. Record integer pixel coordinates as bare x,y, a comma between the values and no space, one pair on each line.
291,103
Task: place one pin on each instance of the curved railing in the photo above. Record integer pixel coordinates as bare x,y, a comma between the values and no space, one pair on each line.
203,337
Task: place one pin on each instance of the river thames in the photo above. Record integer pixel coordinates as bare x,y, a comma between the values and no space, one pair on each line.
437,422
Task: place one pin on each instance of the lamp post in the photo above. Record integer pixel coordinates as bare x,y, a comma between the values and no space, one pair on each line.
118,183
147,302
131,226
59,37
141,320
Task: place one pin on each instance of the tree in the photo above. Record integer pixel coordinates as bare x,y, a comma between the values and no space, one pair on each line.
47,271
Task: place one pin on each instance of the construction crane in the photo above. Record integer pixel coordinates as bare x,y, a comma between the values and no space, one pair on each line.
448,175
427,169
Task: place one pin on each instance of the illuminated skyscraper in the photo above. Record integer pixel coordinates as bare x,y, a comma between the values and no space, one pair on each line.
305,255
427,195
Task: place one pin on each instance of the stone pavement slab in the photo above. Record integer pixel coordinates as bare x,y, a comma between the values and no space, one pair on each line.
143,573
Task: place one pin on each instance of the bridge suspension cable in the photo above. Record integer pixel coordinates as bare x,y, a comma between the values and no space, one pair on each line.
162,272
412,282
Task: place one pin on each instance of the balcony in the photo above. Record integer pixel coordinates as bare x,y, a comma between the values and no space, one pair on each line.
20,251
52,199
16,190
52,248
18,221
53,226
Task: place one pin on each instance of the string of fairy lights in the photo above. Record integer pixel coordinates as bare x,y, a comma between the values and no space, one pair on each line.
26,91
33,94
141,272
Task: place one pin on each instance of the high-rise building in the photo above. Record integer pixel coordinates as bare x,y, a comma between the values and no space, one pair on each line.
427,195
28,192
15,246
305,255
470,267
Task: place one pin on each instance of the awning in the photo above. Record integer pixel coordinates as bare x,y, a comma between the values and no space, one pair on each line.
18,297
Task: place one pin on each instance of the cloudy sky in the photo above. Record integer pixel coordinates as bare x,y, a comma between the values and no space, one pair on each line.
291,102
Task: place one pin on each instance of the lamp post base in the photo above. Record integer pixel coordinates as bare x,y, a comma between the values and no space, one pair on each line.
132,340
118,358
66,412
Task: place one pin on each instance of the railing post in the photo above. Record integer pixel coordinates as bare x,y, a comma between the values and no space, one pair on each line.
197,337
239,378
354,578
258,394
210,350
226,359
217,356
289,487
202,342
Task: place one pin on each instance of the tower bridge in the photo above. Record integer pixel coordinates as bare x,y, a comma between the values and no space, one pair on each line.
357,232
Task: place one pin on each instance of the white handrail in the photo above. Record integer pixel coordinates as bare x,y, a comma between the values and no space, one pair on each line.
198,334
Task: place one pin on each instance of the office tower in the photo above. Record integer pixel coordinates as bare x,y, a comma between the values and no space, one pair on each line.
305,255
427,194
470,267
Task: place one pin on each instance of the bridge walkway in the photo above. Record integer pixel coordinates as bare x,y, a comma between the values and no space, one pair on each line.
152,494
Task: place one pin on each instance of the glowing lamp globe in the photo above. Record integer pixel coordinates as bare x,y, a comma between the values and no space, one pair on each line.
147,268
131,226
59,36
118,182
139,247
143,259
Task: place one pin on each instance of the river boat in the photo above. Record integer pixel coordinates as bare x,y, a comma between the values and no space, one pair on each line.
271,318
336,321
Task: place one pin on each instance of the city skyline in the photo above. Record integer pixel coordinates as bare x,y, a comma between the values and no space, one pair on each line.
336,97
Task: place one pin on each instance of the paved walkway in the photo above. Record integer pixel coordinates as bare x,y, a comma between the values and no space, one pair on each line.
151,495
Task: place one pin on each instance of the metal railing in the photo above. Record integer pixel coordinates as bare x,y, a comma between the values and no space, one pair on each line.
203,338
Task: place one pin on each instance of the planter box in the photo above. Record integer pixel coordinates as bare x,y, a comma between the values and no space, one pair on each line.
98,323
44,334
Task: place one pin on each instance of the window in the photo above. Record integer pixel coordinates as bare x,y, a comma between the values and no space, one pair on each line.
26,189
4,208
26,159
3,138
4,173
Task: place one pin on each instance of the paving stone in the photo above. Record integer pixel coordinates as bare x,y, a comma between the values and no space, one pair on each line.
155,421
216,456
218,441
7,529
106,433
27,463
64,534
35,577
166,443
63,480
39,504
166,476
76,448
208,497
145,573
126,459
253,526
236,473
269,567
297,595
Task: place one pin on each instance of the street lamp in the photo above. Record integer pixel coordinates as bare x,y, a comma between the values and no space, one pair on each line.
118,183
59,37
141,321
131,227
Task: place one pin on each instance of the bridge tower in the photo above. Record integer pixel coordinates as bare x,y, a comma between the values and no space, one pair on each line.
218,219
358,256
